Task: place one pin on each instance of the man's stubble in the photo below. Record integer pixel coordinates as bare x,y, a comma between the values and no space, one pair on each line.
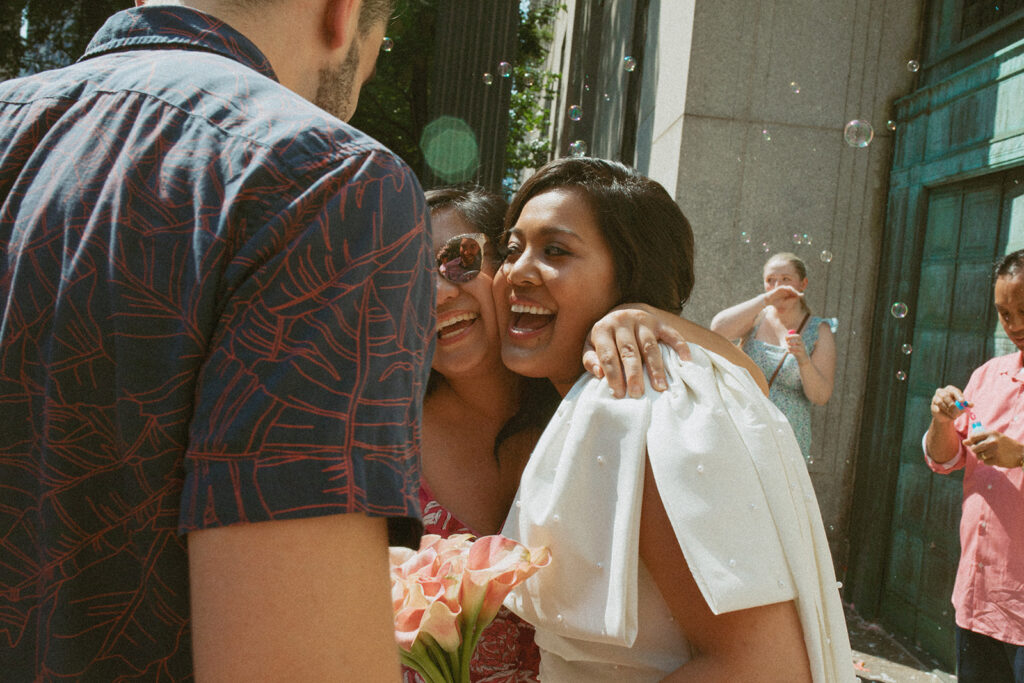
335,91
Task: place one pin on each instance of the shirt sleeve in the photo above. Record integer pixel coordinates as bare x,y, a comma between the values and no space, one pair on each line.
310,399
954,463
958,461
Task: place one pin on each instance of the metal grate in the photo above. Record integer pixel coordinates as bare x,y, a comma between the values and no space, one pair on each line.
978,15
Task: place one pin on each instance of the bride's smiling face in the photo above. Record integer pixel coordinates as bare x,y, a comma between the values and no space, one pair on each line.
557,280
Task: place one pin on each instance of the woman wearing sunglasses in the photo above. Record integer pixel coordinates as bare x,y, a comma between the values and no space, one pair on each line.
481,420
468,481
686,540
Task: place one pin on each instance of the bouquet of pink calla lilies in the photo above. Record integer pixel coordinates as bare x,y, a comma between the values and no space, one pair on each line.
447,592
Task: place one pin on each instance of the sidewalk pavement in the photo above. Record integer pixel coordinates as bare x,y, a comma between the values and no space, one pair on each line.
878,656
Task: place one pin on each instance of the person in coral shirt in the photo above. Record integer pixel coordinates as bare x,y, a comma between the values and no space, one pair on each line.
981,431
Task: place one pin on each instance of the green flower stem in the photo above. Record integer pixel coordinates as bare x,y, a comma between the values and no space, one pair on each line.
440,658
467,628
455,664
427,671
471,628
421,660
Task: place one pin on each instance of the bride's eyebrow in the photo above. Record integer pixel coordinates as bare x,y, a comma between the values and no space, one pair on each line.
550,231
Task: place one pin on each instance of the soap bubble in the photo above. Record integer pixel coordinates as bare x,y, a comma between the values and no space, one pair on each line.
575,112
745,237
797,239
766,135
795,87
899,310
527,79
450,149
629,63
907,349
890,124
607,97
586,83
901,376
578,148
807,239
765,247
488,78
913,66
826,256
858,133
504,69
387,44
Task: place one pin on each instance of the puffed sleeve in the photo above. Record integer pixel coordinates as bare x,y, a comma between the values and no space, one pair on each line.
733,483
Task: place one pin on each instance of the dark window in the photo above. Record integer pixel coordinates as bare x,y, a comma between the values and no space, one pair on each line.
980,14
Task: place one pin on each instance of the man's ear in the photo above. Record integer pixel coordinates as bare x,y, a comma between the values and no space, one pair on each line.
340,22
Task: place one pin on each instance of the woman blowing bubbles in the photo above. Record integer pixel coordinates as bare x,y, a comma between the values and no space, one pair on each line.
686,540
795,349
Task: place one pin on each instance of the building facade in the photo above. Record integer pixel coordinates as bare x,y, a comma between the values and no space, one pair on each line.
741,109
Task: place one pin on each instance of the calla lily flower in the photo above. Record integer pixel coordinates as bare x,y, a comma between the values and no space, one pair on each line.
447,592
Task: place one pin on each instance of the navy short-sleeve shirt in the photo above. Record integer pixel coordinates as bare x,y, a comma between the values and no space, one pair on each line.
217,307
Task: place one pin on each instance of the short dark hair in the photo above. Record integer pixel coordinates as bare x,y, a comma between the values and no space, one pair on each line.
373,12
1010,265
370,13
650,240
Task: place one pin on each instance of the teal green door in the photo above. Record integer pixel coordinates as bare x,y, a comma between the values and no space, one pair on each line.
955,330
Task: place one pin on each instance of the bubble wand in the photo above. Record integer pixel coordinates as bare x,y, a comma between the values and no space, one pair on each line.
975,422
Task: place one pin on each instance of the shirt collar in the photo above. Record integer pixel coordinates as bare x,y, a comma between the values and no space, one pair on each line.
175,27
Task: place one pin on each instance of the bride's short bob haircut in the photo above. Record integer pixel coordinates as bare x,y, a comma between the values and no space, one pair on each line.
651,241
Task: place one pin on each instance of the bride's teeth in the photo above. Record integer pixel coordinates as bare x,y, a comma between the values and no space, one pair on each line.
536,310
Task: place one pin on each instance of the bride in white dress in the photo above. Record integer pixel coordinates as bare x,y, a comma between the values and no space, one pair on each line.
685,536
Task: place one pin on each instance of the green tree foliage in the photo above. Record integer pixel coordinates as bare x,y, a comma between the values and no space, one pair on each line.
393,107
528,145
393,104
36,35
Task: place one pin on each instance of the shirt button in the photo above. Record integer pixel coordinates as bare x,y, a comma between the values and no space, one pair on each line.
981,566
982,525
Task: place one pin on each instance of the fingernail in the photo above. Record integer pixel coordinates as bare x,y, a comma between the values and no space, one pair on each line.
660,384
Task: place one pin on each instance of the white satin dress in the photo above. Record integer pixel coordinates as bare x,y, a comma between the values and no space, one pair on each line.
739,498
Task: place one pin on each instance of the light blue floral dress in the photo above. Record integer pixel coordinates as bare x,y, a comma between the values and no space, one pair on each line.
787,392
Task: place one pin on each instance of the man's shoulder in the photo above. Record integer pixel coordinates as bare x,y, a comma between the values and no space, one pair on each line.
215,97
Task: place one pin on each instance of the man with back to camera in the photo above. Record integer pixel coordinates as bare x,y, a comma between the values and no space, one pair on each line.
217,308
981,430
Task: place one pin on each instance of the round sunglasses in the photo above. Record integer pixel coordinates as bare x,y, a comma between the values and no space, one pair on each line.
460,258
